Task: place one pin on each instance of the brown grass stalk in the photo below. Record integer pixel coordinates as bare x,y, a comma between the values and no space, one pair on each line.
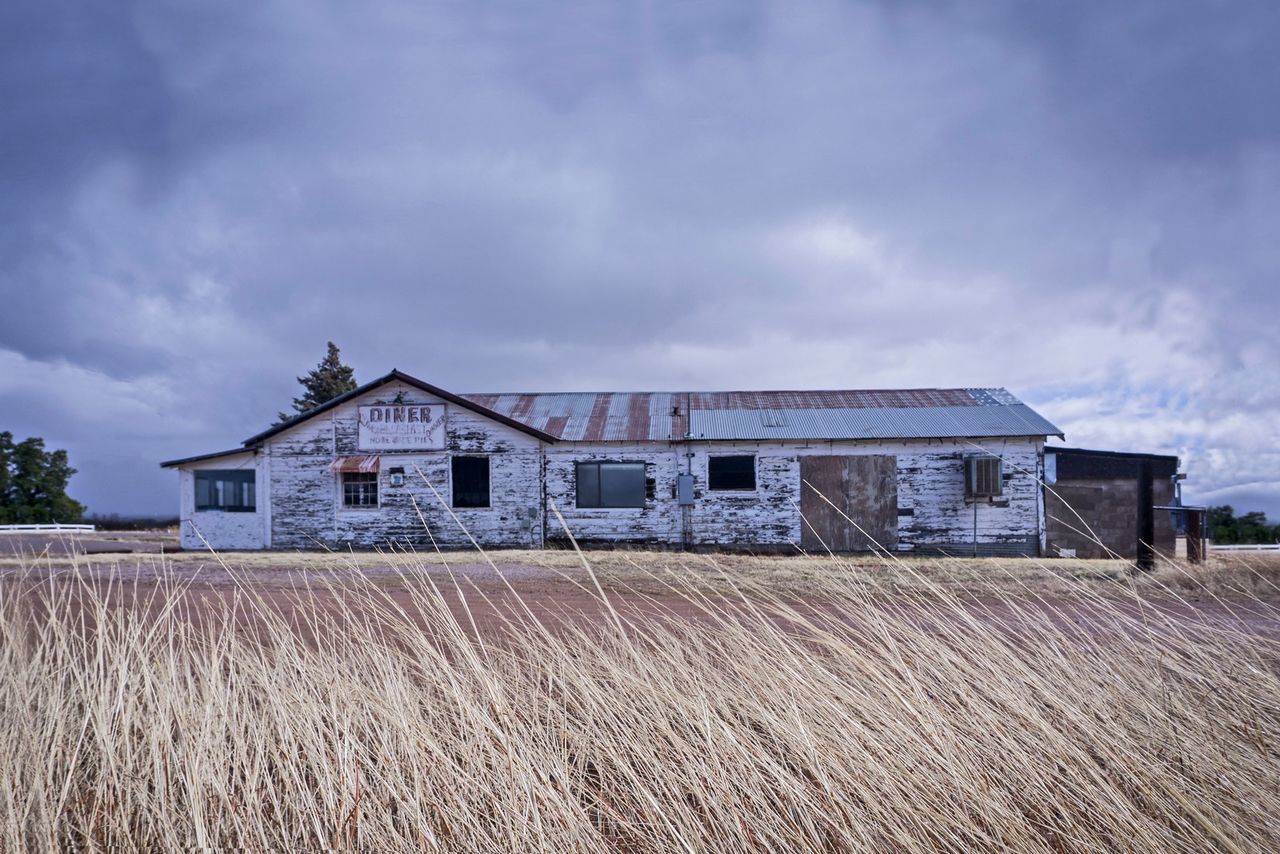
890,707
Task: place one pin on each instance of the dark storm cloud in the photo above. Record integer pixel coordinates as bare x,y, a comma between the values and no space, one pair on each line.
1071,200
1186,81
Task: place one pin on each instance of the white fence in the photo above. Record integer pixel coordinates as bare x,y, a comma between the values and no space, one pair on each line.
27,529
1261,547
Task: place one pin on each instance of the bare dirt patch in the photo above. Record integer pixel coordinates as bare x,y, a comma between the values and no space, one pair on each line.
485,591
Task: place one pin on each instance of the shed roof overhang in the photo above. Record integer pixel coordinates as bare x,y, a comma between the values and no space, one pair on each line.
169,464
366,463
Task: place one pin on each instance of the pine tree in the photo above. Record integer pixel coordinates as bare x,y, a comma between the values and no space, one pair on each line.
33,484
330,379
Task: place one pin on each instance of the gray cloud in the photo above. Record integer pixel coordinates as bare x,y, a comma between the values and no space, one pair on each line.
1070,201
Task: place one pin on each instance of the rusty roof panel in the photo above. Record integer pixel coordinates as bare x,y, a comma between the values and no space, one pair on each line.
668,417
366,463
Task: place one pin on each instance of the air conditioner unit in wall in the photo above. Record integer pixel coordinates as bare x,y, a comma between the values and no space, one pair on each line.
983,476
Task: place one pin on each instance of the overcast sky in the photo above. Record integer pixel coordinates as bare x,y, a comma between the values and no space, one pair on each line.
1077,201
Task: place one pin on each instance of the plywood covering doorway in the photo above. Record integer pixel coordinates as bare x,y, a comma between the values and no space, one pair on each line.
864,488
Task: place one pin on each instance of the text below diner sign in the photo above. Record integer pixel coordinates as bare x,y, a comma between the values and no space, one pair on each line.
398,427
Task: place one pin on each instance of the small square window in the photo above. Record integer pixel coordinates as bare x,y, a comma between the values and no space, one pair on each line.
737,472
359,489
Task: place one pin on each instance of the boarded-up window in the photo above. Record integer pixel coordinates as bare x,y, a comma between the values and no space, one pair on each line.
359,489
470,481
983,476
232,490
737,472
611,484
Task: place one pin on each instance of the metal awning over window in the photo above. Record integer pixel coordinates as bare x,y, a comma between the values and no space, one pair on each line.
362,463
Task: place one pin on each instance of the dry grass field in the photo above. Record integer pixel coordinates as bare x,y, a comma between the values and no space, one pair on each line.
636,701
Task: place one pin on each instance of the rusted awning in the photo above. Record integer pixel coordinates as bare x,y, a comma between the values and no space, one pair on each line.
362,463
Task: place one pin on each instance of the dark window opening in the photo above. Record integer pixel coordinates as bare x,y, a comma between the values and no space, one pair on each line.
983,476
470,481
611,485
359,489
231,490
731,472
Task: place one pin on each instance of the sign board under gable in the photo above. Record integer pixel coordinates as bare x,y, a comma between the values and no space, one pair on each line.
400,427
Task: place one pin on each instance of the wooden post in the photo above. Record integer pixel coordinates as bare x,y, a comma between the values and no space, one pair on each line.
1195,536
1146,518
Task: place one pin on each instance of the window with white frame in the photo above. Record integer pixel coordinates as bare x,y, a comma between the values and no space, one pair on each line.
359,489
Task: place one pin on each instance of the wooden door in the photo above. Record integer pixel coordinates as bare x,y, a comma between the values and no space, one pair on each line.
863,488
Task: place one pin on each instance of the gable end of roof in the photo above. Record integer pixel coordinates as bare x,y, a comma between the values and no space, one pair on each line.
400,376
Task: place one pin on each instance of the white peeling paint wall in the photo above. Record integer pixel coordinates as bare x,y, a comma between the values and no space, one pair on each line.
931,503
299,501
219,528
658,522
307,510
931,485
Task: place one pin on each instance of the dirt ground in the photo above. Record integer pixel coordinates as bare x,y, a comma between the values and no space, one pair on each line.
1236,592
15,545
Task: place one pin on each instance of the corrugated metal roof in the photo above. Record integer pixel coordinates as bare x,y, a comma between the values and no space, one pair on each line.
846,399
663,416
367,463
754,415
919,422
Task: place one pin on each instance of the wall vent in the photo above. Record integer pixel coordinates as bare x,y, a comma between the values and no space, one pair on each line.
983,476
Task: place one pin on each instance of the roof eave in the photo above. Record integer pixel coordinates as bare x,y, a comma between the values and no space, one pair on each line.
168,464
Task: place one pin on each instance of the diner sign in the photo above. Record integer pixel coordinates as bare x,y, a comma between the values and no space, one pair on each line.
400,427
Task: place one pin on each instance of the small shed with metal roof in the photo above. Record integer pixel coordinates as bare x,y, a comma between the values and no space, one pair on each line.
401,462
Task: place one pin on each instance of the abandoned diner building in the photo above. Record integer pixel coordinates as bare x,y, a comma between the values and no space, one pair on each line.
401,463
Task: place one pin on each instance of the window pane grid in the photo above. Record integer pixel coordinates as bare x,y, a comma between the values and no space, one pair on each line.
359,489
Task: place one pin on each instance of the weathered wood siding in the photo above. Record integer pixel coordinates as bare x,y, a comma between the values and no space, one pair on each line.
657,523
849,502
307,511
220,529
931,487
767,515
931,507
932,511
300,499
